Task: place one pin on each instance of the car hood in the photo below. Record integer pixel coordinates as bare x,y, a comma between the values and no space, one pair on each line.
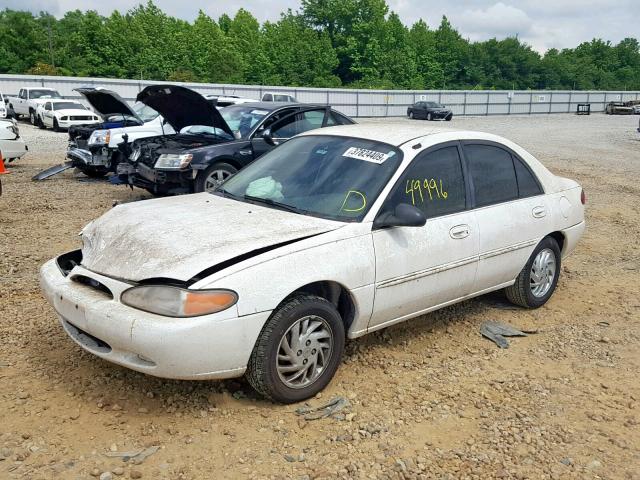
106,102
179,237
182,107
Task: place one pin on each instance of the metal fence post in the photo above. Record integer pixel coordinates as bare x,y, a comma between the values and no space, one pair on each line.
570,98
357,103
464,105
550,102
530,102
487,106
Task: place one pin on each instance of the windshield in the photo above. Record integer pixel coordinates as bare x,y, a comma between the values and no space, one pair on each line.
67,105
241,118
44,94
331,177
145,112
434,105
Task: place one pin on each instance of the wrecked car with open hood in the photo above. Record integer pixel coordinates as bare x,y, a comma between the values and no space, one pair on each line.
337,233
214,145
93,149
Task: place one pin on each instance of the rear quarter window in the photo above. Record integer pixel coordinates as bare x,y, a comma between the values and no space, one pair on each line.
528,184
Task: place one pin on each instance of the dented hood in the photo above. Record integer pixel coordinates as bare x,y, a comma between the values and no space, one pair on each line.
179,237
106,102
182,107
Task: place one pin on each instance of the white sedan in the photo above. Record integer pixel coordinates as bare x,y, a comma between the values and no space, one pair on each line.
334,234
12,145
61,114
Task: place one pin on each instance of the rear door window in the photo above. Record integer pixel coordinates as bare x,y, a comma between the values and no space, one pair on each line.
491,173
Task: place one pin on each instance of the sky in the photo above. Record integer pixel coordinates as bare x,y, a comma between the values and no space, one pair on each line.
543,24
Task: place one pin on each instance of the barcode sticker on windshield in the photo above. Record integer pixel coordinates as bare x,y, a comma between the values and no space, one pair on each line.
366,155
259,112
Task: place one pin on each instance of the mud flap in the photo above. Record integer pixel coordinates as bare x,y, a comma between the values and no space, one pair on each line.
49,172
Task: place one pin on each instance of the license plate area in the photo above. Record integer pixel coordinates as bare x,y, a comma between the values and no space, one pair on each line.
70,310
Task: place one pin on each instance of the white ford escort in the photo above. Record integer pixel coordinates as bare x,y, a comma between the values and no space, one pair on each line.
334,234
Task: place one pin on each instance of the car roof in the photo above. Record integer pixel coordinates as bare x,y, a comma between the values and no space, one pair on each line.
271,106
391,133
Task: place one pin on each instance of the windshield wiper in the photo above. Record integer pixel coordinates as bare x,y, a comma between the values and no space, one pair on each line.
273,203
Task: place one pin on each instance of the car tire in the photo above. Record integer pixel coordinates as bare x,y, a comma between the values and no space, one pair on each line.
449,117
429,116
209,179
56,127
411,115
40,123
269,364
533,287
32,117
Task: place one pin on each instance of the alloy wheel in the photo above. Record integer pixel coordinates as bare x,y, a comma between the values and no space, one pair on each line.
215,179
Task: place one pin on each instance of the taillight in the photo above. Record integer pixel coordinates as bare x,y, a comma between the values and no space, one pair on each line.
583,197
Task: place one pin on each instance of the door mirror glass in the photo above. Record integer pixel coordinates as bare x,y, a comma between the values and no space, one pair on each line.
404,215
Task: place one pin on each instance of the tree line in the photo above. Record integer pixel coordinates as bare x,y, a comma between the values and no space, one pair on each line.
326,43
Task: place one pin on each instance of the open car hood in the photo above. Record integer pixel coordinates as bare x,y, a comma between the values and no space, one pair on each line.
107,102
182,107
180,237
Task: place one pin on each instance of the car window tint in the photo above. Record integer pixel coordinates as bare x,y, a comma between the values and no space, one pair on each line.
298,123
528,186
433,182
491,173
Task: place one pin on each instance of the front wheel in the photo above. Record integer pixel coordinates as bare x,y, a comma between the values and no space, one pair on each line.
298,351
211,178
56,127
41,124
449,117
411,115
429,116
32,117
538,279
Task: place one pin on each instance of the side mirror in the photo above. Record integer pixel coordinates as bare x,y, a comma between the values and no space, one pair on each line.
266,136
404,215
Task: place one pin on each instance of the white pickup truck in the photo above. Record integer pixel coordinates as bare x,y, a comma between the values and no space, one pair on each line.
26,103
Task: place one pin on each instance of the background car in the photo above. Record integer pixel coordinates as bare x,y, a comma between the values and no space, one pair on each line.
28,99
429,111
335,234
226,100
618,108
278,97
636,109
182,167
12,145
62,114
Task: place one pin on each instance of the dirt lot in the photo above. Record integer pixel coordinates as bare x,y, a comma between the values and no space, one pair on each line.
429,398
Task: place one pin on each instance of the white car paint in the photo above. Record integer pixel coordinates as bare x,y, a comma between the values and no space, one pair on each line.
25,104
3,107
12,145
48,111
386,273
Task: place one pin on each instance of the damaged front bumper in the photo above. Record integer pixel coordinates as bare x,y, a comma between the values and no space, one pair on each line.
81,157
206,347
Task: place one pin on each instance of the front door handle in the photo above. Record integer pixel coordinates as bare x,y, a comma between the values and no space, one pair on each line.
539,212
459,231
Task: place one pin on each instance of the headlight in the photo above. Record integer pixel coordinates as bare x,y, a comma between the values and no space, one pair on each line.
178,302
174,161
135,155
100,137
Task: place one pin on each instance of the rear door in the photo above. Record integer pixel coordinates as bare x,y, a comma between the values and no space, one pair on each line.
512,211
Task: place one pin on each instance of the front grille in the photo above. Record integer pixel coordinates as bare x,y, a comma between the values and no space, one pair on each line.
86,339
94,284
81,117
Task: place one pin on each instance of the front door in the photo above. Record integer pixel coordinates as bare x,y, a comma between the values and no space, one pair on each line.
418,268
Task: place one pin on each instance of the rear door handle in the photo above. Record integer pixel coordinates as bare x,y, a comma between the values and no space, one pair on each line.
459,231
539,212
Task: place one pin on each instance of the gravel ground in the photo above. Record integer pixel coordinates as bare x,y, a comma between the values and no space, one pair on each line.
428,398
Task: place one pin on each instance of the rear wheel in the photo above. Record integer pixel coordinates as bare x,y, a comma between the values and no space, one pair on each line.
538,279
298,351
211,178
429,116
411,115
